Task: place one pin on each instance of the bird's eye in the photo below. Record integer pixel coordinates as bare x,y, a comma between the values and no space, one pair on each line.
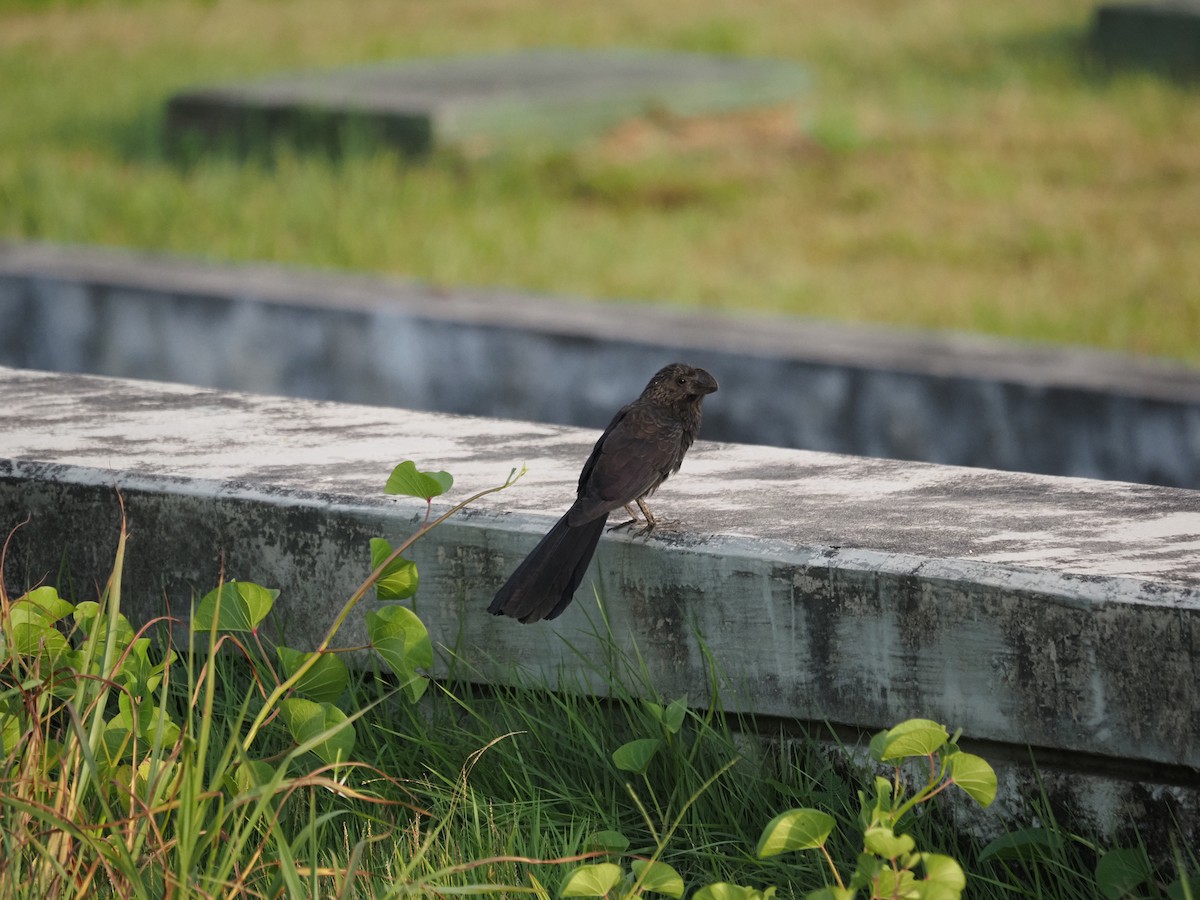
681,380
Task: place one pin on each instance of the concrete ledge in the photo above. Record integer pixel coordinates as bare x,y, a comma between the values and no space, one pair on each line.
543,96
1029,610
1162,36
937,397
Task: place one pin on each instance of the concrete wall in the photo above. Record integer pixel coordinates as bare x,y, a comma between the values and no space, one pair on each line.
942,398
1029,610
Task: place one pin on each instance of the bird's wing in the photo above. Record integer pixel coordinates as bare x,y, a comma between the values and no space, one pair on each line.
636,452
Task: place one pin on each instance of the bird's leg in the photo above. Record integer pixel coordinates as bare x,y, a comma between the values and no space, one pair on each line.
633,519
649,517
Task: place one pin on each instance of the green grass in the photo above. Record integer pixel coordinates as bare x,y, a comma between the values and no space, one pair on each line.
959,165
474,790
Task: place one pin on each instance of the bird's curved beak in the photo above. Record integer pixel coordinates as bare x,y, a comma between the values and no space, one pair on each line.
704,382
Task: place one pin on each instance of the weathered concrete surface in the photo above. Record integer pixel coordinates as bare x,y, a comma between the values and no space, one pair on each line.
1163,36
1059,613
946,398
478,101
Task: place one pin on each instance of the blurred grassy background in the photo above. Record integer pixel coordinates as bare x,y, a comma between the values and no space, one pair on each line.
959,165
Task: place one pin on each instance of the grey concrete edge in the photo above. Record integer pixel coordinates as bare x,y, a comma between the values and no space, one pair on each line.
1070,590
942,353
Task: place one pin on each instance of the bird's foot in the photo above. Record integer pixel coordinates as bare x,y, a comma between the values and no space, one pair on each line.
642,529
645,530
669,525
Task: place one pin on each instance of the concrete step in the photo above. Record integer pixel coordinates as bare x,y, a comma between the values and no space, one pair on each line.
1160,35
1031,611
542,96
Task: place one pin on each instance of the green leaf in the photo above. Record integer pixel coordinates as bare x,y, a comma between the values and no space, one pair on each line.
635,756
46,598
10,733
147,721
865,871
674,715
324,682
795,829
974,775
878,742
944,878
658,877
402,640
1181,889
237,605
36,639
833,892
137,673
399,579
166,775
88,617
882,841
612,841
878,809
406,481
307,720
1026,844
25,613
916,737
723,890
247,776
1120,871
136,669
116,744
592,881
893,883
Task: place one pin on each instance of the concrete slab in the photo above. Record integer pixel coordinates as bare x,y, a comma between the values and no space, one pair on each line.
1061,614
1162,36
545,95
938,397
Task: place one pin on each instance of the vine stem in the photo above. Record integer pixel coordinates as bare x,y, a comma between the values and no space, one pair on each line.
311,660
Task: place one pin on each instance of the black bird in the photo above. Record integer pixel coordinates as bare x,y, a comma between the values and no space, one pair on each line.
642,445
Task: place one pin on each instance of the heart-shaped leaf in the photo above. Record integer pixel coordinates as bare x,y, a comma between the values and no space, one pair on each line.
612,841
46,598
399,580
916,737
882,841
974,775
402,640
658,877
1024,843
723,890
323,682
591,881
407,481
237,605
635,756
944,878
307,720
1120,871
795,829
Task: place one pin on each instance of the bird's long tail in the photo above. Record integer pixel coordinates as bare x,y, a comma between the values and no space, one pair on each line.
543,585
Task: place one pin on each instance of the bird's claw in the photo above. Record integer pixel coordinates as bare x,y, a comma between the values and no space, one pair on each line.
643,531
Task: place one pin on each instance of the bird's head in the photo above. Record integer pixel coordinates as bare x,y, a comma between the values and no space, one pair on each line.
682,380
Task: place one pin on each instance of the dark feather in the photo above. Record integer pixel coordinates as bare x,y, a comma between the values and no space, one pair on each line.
643,445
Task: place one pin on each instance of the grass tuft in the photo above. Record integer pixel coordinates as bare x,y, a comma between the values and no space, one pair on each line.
137,768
